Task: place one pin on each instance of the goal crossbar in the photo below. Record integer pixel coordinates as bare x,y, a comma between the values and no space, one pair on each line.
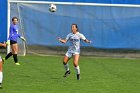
75,3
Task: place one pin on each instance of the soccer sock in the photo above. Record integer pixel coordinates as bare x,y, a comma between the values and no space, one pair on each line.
77,70
66,66
15,58
8,55
1,77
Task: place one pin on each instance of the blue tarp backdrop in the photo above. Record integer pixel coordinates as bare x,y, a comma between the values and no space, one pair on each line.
3,20
107,27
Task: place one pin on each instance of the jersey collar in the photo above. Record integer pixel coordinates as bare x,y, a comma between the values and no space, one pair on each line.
75,33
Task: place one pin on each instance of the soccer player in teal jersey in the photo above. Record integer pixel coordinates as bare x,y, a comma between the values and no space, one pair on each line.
13,36
74,49
1,73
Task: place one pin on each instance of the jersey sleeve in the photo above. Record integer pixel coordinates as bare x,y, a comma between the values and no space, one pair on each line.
82,37
67,37
19,35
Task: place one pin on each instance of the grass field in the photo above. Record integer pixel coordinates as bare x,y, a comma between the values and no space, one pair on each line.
98,75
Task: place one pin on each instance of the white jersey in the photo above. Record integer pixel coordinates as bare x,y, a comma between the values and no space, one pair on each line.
75,41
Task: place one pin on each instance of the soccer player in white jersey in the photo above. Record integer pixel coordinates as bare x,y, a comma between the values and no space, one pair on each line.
74,49
1,74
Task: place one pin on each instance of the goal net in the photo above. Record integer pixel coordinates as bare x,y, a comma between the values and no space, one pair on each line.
109,26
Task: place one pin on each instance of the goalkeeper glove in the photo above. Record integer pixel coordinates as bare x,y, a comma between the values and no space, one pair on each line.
8,42
23,38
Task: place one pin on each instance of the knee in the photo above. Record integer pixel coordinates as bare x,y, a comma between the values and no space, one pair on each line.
64,62
0,68
75,64
14,52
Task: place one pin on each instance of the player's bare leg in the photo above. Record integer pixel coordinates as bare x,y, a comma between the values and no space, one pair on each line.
14,52
1,74
75,63
66,66
8,55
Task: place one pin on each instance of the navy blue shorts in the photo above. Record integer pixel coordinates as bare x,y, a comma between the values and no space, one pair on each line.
13,42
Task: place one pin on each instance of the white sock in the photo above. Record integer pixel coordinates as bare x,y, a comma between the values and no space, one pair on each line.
66,67
1,77
77,70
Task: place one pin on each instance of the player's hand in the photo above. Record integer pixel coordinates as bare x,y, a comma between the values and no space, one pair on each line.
90,42
4,44
8,42
23,38
59,38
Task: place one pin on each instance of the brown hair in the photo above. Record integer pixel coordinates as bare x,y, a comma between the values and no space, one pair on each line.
14,18
76,26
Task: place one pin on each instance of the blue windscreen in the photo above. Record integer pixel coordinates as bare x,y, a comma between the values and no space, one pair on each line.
107,27
3,20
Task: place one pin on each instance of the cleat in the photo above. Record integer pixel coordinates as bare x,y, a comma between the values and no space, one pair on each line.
17,64
3,60
66,73
78,76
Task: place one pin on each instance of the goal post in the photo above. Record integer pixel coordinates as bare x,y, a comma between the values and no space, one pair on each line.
8,24
21,44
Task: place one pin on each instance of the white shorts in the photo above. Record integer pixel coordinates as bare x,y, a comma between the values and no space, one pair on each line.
70,54
0,59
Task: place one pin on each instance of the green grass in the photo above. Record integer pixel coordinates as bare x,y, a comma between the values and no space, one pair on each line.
98,75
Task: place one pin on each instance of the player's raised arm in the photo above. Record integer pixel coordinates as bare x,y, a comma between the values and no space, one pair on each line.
3,44
62,40
84,39
87,41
